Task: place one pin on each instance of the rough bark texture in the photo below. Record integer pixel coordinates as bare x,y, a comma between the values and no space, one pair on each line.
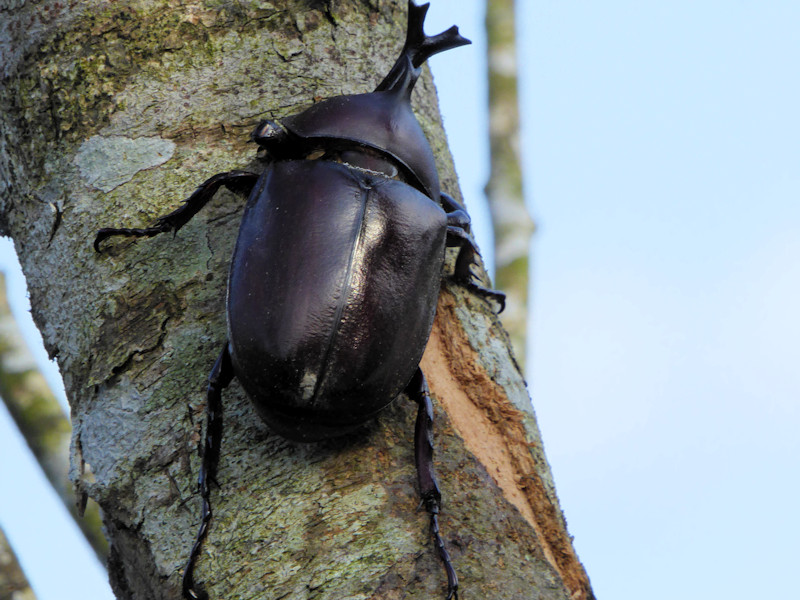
513,225
111,114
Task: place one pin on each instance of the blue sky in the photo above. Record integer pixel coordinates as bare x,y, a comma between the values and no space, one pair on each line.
661,147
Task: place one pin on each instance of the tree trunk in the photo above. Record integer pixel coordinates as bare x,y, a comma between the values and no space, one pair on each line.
110,114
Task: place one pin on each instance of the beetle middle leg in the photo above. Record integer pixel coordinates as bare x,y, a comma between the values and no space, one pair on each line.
239,182
417,390
220,377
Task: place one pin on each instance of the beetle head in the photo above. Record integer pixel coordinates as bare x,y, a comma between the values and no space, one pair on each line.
268,134
382,120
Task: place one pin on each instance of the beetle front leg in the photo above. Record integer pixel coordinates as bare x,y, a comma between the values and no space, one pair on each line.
458,236
240,182
456,213
220,377
417,389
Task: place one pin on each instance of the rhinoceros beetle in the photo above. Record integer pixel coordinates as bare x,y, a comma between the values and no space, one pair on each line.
336,271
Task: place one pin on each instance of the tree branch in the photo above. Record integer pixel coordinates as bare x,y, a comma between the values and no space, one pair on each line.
512,223
13,583
41,421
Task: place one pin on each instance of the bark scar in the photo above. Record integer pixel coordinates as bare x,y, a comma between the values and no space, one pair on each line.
492,429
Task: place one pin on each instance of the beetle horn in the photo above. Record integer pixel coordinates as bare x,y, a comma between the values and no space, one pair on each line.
417,49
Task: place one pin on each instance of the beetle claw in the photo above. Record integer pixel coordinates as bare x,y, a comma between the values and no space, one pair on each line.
106,233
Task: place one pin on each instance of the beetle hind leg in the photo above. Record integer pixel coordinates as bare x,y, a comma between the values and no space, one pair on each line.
220,377
240,182
431,496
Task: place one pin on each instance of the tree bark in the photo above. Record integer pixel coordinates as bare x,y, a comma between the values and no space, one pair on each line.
113,113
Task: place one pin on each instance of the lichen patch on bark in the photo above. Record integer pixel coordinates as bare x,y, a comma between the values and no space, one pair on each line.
106,162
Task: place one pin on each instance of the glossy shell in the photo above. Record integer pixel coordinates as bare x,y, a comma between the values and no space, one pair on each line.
332,293
381,120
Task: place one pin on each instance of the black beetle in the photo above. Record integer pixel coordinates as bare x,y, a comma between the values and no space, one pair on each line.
335,275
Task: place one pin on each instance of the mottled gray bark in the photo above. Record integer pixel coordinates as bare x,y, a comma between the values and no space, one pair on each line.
110,114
